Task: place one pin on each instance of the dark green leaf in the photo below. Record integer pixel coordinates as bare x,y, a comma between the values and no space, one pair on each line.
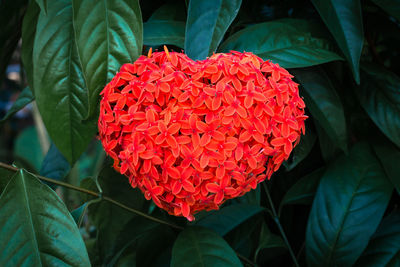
5,177
43,5
36,228
392,7
206,25
228,218
324,104
268,240
27,147
344,20
348,206
384,247
172,11
108,34
380,97
329,148
301,151
60,90
78,213
282,42
159,32
28,38
252,197
24,98
303,191
54,164
198,246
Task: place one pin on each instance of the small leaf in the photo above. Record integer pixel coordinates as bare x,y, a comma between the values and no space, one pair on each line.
380,97
206,25
392,7
350,201
344,20
384,247
198,246
228,218
108,34
324,104
54,165
282,42
79,213
36,228
60,90
160,32
303,191
301,151
268,240
24,98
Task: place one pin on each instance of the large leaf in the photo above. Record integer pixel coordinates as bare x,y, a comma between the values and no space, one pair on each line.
348,206
282,42
324,104
60,90
173,10
344,20
390,6
108,34
159,32
28,38
5,177
43,5
198,246
24,98
301,151
268,241
36,228
380,97
27,147
229,217
206,25
384,247
54,164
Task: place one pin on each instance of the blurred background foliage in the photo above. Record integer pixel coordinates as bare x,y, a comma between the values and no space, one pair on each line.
335,202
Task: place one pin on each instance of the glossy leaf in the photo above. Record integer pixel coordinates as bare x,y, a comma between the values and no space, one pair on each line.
228,218
379,96
43,5
78,214
348,206
160,32
392,7
206,25
24,98
28,38
108,34
54,165
282,42
27,147
198,246
268,240
301,151
36,228
303,191
324,104
384,247
60,90
344,20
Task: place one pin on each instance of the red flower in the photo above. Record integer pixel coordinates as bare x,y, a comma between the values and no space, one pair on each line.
192,134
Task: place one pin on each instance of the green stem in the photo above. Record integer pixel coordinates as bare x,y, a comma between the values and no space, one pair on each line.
95,194
276,219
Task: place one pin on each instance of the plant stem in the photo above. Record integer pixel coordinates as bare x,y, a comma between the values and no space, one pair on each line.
243,258
95,194
276,219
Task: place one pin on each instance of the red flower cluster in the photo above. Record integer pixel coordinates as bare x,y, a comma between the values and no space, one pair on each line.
192,134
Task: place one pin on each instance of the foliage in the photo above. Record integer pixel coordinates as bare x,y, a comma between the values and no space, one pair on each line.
334,202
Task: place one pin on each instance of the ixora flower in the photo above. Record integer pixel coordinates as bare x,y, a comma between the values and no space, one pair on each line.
192,134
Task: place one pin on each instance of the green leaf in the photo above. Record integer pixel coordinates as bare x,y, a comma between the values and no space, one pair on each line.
24,98
379,96
282,42
253,197
36,228
384,247
206,24
324,104
60,90
172,11
303,191
389,157
392,7
268,240
27,147
5,177
329,148
348,206
228,218
54,164
160,32
78,213
43,5
198,246
108,34
344,20
28,38
301,151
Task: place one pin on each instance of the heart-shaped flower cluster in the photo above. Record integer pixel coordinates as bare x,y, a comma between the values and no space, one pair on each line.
192,134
